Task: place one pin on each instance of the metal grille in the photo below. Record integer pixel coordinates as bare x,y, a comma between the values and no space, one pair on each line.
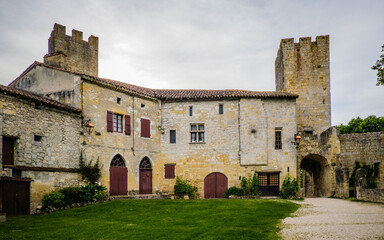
263,179
278,139
145,164
117,161
268,179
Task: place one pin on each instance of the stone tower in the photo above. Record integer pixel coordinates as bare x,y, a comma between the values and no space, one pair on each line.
303,68
72,52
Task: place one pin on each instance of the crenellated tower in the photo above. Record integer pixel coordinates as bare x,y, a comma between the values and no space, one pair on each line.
72,52
303,68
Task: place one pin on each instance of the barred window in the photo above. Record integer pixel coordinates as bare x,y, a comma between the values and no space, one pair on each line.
278,143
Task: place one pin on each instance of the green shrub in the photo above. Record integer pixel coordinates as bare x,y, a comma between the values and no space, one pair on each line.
87,193
233,191
250,186
53,199
358,125
90,172
290,188
184,187
71,195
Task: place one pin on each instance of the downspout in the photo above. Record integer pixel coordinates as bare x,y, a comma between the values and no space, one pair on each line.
238,127
133,125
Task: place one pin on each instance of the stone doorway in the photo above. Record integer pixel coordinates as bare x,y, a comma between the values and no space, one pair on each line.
316,176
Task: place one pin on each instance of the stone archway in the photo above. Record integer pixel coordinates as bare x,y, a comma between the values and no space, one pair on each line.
316,177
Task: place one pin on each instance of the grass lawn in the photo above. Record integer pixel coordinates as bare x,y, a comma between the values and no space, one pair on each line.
156,219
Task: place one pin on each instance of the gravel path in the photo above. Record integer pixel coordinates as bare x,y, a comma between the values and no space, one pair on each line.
326,218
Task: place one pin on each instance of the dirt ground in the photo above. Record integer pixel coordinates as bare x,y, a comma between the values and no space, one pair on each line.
327,218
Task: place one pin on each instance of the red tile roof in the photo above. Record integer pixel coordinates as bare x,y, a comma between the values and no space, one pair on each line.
34,97
171,94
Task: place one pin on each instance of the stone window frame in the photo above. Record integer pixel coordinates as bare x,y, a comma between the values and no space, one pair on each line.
190,112
197,133
221,108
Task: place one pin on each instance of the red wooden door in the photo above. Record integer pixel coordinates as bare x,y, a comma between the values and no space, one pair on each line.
15,197
215,185
117,180
8,150
145,184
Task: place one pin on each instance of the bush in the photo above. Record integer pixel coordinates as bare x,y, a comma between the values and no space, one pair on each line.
88,193
250,186
71,195
53,199
289,189
233,191
358,125
90,172
184,187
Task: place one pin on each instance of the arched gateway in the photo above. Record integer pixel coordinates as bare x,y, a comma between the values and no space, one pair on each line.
145,176
215,185
316,176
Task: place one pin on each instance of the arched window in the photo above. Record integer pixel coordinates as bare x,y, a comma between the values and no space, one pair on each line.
145,164
117,161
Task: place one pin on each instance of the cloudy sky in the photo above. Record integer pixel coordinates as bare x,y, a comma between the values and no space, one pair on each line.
206,44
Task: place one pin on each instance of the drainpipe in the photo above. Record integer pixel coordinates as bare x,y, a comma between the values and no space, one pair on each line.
133,125
238,127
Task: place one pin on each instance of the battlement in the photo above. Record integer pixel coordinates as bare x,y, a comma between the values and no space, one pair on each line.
72,52
287,43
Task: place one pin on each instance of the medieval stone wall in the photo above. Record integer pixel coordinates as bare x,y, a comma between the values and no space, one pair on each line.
58,85
237,142
365,148
303,68
72,52
47,145
103,145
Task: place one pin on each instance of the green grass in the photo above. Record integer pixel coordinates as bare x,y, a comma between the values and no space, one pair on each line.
156,219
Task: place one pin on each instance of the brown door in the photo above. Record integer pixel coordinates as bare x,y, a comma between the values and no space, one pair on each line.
118,176
145,176
215,185
118,180
145,181
8,150
269,184
15,197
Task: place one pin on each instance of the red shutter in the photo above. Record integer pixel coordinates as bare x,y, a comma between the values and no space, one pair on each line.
169,171
109,121
127,124
145,128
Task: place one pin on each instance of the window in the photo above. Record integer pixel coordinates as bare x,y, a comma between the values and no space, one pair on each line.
278,143
117,123
118,100
38,138
145,128
169,170
221,108
172,136
197,133
190,110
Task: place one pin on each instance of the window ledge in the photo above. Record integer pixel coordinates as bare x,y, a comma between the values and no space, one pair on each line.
197,143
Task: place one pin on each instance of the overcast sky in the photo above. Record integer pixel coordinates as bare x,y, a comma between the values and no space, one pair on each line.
206,44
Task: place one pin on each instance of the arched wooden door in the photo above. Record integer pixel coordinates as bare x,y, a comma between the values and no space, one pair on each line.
117,176
145,175
215,185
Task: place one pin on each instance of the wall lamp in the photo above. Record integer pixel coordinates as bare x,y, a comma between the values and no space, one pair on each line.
88,124
297,139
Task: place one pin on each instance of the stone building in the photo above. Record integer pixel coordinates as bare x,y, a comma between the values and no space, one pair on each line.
40,148
144,137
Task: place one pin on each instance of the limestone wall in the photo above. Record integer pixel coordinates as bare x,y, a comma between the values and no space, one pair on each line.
103,145
52,158
238,142
72,52
58,85
371,195
365,148
303,68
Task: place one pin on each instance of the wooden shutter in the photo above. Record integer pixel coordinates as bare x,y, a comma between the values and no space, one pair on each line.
127,124
145,128
109,121
169,171
8,150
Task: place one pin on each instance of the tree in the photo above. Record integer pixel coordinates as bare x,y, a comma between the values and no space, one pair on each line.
358,125
379,66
